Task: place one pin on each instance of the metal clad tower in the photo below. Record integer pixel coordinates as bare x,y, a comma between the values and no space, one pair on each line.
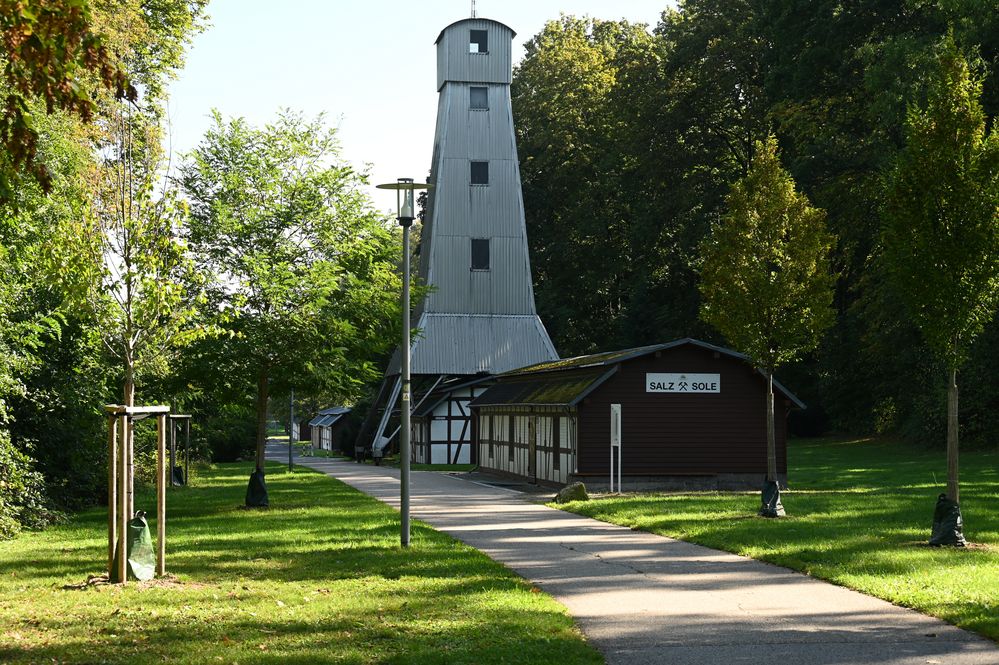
480,316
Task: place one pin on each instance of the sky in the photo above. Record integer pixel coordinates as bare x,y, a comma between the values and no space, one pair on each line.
369,65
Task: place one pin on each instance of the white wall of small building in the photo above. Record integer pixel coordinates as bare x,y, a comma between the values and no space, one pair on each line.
322,438
445,436
494,437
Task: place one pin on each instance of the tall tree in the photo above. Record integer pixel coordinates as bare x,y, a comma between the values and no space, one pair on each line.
766,282
55,235
941,223
575,174
128,258
301,268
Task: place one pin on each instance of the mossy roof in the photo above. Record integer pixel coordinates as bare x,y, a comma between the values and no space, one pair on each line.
557,389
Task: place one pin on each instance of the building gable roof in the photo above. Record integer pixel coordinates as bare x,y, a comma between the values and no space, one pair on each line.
615,358
426,406
327,417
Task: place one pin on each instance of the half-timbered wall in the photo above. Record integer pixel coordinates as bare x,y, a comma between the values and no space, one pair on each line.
538,443
445,436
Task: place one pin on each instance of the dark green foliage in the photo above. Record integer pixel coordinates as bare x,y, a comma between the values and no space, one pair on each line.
941,233
765,278
630,142
299,266
23,504
229,434
941,230
54,376
47,48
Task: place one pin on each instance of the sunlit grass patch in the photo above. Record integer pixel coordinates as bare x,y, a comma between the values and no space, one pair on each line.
319,577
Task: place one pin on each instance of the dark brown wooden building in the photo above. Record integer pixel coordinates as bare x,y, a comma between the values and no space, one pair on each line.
327,428
692,417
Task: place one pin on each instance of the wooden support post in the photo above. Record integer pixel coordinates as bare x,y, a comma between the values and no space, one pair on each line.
187,451
129,466
172,429
161,481
123,500
112,491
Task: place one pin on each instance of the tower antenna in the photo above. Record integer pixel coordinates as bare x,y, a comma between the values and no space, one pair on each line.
473,8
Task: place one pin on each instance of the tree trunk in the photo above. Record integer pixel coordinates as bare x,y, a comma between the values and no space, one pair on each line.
771,442
953,492
128,393
261,419
128,440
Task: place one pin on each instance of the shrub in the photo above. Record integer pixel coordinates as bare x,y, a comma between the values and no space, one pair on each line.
230,435
22,492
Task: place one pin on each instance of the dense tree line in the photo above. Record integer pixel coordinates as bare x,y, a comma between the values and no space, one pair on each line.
630,140
131,275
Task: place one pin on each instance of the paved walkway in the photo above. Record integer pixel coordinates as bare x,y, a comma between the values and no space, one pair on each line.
645,599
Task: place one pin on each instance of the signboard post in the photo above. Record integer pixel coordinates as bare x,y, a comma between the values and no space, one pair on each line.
615,449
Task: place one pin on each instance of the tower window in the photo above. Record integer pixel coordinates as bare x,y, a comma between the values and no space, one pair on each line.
478,98
480,173
478,41
480,253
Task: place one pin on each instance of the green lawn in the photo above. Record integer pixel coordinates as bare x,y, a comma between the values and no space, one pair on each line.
859,514
319,577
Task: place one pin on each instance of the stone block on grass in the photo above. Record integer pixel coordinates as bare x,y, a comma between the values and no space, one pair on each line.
573,492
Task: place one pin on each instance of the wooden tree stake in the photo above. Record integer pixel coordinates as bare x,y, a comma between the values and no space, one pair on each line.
161,480
112,491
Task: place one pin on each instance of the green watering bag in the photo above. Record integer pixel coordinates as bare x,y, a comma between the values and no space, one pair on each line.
141,557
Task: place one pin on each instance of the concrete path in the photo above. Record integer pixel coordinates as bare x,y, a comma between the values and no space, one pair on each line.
643,599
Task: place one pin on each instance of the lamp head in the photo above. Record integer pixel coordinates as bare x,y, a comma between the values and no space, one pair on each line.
404,188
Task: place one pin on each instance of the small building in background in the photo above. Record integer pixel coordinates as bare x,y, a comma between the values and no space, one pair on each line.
328,427
692,417
301,431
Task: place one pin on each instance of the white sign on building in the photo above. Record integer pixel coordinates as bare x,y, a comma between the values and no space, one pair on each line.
682,383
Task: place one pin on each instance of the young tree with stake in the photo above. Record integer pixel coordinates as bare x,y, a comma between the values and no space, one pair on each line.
941,224
766,283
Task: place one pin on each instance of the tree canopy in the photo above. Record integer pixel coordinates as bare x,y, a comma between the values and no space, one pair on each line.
300,268
766,282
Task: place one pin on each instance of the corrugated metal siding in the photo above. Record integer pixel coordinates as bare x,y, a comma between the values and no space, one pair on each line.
461,290
455,63
469,344
485,131
476,321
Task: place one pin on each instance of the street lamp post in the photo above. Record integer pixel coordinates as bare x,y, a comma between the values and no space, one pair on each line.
291,428
404,188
